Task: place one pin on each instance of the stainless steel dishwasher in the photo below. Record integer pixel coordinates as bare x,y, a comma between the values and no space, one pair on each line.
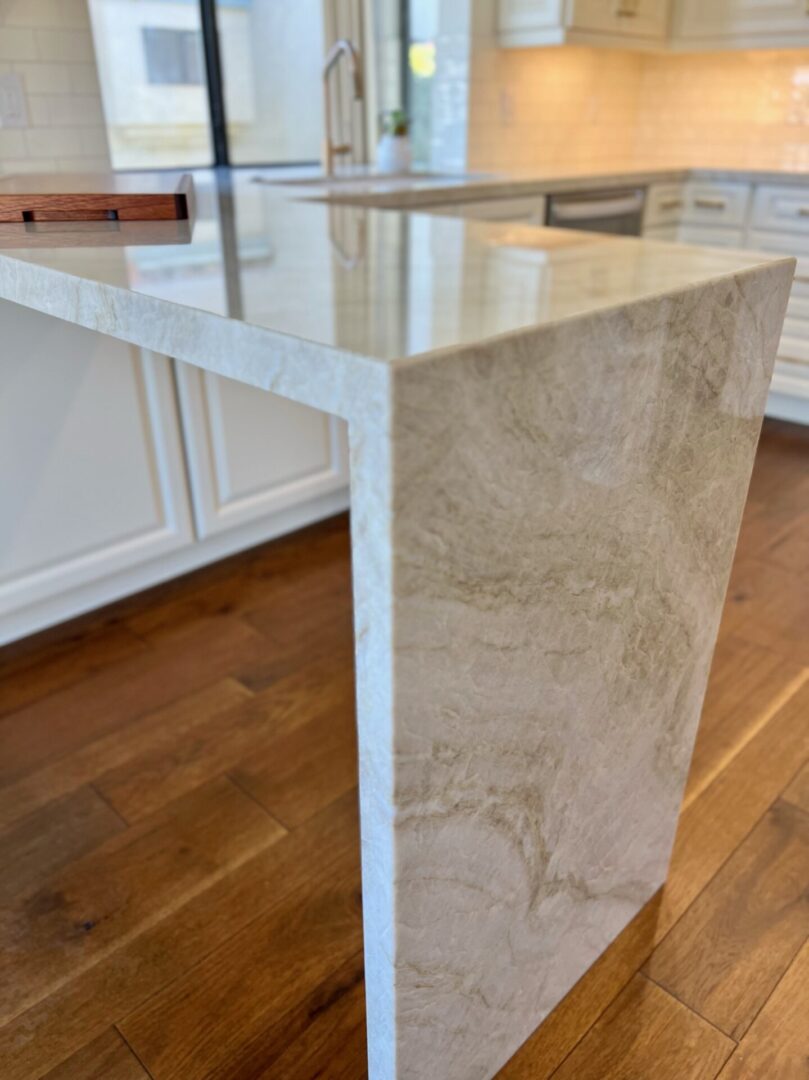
618,212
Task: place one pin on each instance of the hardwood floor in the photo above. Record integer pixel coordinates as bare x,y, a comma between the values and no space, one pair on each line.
179,867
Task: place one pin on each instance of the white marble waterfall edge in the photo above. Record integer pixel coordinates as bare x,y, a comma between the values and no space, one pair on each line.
543,529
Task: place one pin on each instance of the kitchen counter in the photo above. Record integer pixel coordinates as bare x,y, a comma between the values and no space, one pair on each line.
551,439
361,186
266,269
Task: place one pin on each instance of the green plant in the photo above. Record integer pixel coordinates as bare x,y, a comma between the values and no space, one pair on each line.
395,122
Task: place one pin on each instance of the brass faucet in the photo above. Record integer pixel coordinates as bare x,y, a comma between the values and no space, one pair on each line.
346,48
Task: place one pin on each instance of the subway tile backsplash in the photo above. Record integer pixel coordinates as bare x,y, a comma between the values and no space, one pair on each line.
570,107
49,44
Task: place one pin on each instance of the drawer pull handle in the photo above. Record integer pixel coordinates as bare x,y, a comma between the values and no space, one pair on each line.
673,204
710,204
803,211
628,9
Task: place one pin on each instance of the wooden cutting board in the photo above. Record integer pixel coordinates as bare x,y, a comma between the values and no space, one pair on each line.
96,197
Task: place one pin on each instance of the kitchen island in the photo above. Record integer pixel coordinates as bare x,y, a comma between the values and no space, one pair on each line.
551,437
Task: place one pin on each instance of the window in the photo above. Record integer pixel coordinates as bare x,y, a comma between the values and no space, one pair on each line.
198,82
173,57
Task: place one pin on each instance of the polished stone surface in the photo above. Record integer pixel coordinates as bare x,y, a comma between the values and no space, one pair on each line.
381,285
551,439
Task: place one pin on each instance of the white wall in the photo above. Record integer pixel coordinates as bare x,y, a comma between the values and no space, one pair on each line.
49,45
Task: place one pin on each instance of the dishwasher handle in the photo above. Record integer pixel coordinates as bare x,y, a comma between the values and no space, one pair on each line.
581,208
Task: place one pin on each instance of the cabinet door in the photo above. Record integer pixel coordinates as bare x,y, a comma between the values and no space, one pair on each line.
91,472
750,18
625,18
251,453
525,15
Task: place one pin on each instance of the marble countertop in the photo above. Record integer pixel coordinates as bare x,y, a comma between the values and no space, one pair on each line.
362,187
388,286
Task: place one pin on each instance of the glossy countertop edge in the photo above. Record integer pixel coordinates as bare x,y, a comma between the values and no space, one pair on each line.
71,308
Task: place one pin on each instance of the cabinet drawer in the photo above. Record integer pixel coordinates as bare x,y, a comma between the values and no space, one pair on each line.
784,208
711,237
664,205
626,18
715,204
782,243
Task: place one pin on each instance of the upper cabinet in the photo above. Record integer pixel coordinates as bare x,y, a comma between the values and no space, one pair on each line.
682,25
741,24
641,24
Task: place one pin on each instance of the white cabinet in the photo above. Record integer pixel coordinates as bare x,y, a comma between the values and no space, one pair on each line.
621,18
715,203
626,23
108,487
252,454
91,468
770,218
707,24
709,212
651,24
663,206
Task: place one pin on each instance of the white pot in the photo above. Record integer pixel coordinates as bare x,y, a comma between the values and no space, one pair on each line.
393,154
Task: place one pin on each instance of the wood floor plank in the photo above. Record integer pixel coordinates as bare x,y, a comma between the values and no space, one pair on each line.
287,576
312,634
647,1033
143,964
789,546
145,735
51,837
221,1005
797,792
64,664
105,1058
192,753
322,1038
710,830
732,946
93,905
775,610
748,684
777,1045
72,717
772,511
297,774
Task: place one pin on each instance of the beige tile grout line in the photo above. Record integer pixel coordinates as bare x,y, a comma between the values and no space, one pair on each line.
789,691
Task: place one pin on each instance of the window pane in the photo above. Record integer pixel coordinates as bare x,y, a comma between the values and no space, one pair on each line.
272,53
152,73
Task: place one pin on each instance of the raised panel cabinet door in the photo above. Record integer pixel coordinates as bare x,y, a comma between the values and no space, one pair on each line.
91,471
624,18
251,453
729,18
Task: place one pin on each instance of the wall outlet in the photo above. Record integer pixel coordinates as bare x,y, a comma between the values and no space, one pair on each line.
13,110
